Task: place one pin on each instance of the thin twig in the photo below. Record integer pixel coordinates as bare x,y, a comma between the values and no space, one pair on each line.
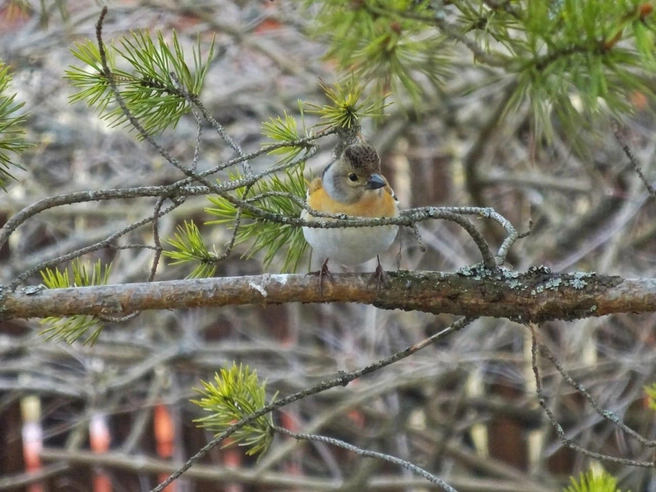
199,123
632,158
605,414
558,428
420,241
89,249
406,218
156,239
181,188
342,380
222,132
367,454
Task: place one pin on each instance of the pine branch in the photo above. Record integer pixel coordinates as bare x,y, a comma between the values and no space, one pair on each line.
533,296
153,89
12,140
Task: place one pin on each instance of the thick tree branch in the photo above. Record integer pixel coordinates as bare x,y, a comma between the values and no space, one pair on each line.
534,296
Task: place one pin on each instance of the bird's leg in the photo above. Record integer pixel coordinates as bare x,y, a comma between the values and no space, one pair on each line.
379,276
322,273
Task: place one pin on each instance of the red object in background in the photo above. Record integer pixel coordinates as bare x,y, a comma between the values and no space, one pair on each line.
232,459
268,24
32,434
14,15
164,435
164,432
639,100
32,445
100,439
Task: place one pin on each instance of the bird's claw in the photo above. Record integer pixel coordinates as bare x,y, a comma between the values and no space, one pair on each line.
322,273
379,276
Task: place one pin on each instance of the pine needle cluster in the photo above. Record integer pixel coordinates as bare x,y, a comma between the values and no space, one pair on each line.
593,481
155,97
276,197
567,59
71,329
188,247
380,42
235,394
12,139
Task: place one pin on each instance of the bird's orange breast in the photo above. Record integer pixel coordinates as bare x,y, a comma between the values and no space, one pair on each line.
374,203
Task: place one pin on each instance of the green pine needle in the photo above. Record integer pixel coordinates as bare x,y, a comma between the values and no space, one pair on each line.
571,61
149,91
272,196
381,42
235,394
593,481
189,248
283,130
12,139
345,109
651,393
595,53
70,329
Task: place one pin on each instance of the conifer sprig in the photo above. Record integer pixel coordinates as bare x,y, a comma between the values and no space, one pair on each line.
284,130
189,248
72,328
235,394
593,481
274,196
378,44
150,92
346,107
568,61
12,139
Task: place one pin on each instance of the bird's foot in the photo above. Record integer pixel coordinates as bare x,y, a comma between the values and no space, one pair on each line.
322,273
379,276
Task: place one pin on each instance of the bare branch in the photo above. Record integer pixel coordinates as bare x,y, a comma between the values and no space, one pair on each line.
343,379
368,454
532,296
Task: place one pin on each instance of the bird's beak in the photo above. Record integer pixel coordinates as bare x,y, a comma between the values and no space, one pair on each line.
375,181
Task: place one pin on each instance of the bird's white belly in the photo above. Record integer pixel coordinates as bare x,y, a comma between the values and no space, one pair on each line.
350,245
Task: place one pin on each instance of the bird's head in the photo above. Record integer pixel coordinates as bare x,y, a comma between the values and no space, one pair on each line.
354,174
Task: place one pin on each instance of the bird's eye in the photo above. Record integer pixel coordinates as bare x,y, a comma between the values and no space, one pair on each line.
353,177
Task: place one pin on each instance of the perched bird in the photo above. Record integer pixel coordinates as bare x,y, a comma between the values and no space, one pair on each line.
351,185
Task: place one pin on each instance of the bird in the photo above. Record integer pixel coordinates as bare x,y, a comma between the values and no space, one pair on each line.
352,185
